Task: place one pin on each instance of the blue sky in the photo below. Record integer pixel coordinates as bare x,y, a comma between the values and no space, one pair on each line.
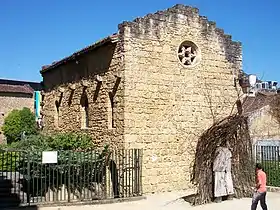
34,33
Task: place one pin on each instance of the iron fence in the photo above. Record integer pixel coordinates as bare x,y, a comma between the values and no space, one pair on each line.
73,177
269,157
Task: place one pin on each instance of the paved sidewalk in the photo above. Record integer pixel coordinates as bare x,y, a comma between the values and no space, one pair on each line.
171,201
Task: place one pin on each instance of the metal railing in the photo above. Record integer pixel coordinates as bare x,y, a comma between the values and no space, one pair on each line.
269,157
75,176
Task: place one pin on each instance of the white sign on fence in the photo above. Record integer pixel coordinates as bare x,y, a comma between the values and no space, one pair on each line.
49,157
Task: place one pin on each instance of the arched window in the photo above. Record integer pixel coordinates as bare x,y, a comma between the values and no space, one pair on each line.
84,111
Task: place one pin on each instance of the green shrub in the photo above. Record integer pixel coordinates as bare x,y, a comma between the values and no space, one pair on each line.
59,141
70,141
77,159
17,122
272,169
37,142
9,160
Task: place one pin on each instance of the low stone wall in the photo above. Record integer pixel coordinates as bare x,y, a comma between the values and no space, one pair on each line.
273,189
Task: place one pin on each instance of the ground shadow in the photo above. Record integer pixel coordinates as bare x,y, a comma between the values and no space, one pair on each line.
9,199
189,198
21,208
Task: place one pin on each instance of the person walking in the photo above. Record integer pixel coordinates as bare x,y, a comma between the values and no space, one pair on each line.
260,193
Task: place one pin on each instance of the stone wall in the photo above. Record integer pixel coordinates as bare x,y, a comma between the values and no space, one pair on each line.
8,102
94,77
263,126
167,105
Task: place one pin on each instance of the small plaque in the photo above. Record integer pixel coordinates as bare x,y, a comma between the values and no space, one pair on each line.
49,157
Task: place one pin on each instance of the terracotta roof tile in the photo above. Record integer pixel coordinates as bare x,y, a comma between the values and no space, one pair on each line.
25,89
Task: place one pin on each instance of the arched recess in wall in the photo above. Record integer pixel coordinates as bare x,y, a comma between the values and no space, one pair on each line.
84,111
56,115
111,109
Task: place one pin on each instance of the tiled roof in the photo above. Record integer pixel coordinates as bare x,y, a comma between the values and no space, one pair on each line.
113,38
34,85
25,89
262,99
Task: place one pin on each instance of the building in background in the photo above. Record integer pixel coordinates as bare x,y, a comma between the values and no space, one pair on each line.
262,124
251,85
258,102
16,95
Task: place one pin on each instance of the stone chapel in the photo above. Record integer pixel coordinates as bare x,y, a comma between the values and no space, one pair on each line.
156,84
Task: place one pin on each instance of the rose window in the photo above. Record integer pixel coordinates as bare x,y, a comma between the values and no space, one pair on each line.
188,54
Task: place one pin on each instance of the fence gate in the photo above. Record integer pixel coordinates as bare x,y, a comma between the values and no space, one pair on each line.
68,176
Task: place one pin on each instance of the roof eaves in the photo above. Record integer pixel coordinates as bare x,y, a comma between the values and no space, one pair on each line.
261,100
110,39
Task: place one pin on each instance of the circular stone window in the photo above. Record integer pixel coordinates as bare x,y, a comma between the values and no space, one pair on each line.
188,54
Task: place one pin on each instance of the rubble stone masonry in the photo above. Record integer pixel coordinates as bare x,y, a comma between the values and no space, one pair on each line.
66,86
160,103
